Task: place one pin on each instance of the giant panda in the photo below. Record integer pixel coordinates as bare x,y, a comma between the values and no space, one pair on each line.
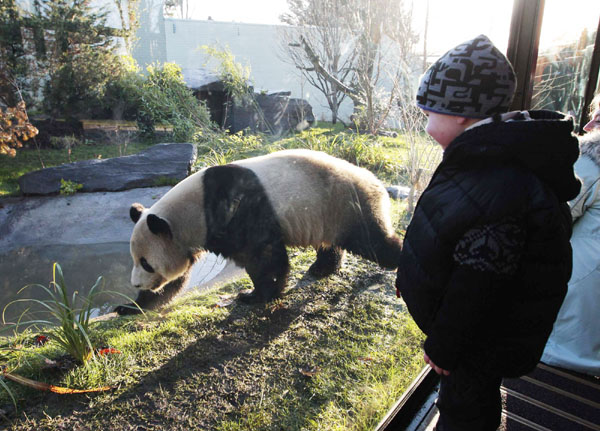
249,211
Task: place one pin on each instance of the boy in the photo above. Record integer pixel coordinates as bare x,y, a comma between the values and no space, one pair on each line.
486,258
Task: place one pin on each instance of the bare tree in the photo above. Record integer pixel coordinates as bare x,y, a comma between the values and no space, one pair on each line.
318,46
375,40
179,8
129,16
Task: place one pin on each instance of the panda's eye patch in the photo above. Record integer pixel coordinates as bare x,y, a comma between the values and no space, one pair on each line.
146,265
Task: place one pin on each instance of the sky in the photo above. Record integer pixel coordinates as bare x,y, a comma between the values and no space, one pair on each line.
256,12
450,21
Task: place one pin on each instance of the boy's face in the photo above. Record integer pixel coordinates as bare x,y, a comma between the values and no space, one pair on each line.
444,128
594,121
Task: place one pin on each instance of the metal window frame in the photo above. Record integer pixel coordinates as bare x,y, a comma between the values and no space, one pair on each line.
522,52
592,83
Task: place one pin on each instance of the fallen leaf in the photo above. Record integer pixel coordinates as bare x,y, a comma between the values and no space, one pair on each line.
46,387
225,301
49,363
108,351
40,340
309,371
277,305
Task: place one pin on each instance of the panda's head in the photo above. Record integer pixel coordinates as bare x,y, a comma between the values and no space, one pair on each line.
157,259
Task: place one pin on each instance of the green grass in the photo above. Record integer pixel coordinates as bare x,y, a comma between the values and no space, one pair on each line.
27,160
386,157
332,354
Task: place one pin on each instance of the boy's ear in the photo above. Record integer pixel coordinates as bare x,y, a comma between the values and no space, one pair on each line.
466,121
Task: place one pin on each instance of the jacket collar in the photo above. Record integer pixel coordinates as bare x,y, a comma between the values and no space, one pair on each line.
539,141
589,146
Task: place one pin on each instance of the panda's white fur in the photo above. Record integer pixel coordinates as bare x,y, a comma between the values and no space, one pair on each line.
312,211
317,200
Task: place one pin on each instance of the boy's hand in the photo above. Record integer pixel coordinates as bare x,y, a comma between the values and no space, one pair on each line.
437,369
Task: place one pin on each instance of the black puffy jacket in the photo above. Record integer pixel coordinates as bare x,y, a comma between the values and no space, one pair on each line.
486,258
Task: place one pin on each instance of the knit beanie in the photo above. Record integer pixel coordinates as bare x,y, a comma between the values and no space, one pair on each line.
473,80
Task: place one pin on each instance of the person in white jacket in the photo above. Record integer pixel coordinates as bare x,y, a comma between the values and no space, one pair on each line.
575,340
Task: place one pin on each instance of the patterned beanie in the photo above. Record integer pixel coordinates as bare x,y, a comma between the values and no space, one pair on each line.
473,80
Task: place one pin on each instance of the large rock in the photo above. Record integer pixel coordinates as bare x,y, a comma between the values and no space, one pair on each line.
158,165
275,114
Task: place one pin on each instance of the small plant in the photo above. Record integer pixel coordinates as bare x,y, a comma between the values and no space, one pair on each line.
68,187
73,330
64,142
218,157
165,181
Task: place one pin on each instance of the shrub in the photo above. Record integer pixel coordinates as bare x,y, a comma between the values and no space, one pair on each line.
122,95
64,142
165,98
15,128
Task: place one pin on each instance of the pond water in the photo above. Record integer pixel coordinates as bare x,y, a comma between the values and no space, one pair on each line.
82,264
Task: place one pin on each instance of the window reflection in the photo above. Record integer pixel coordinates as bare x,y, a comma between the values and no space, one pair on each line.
564,56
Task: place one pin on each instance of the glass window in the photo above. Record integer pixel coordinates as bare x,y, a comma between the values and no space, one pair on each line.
564,55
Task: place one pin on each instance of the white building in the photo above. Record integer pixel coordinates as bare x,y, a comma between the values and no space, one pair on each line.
254,45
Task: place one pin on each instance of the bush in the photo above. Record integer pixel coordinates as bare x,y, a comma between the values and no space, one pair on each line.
122,95
360,149
159,98
165,98
15,128
64,142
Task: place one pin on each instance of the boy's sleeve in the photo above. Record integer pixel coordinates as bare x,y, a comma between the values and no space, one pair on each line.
486,258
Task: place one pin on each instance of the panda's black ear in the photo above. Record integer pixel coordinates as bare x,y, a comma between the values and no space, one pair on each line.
158,226
135,212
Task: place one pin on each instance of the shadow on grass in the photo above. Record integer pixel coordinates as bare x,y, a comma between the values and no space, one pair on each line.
219,377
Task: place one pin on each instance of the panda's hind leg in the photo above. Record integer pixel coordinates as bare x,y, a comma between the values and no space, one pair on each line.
329,261
268,268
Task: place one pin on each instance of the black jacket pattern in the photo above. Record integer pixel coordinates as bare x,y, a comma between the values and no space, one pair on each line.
486,257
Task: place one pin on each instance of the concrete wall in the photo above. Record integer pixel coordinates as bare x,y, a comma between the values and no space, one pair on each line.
253,45
151,45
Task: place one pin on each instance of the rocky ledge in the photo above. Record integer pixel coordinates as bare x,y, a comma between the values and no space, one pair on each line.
158,165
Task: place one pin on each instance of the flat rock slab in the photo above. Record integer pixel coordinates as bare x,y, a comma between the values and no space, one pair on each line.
159,164
82,218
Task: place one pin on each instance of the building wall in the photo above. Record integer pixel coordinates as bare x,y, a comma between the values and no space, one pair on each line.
151,44
253,45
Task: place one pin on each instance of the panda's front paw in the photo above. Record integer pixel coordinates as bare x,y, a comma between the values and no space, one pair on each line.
254,297
128,310
250,297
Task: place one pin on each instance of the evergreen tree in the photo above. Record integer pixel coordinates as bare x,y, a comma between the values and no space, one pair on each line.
80,55
12,64
62,47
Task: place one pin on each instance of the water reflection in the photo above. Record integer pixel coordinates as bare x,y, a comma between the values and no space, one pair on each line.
81,265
